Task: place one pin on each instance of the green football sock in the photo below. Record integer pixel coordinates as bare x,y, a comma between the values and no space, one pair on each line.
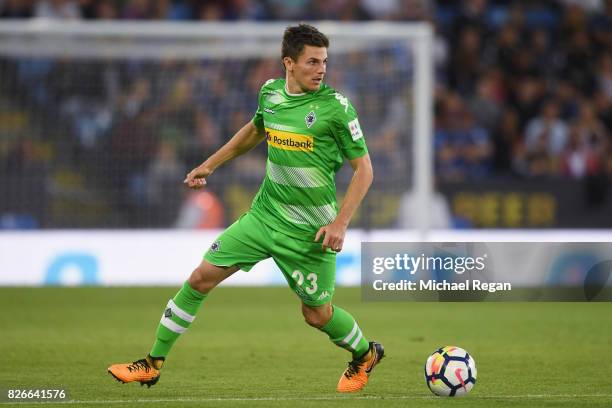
177,317
343,330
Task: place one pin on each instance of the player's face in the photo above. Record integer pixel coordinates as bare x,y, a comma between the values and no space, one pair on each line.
309,69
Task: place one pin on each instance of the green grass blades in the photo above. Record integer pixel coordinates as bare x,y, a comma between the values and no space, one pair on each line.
249,347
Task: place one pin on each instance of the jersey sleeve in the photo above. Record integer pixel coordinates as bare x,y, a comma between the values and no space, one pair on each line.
258,117
347,129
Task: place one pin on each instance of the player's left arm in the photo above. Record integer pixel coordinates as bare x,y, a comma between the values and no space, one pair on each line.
358,187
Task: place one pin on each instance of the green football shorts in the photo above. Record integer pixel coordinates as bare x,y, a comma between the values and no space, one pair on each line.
310,272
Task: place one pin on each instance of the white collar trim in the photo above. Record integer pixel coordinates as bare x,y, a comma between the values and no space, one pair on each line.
293,94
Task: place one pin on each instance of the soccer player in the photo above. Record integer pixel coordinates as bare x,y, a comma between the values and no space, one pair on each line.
310,128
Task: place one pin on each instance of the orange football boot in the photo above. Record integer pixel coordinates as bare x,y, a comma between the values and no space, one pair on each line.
355,377
145,371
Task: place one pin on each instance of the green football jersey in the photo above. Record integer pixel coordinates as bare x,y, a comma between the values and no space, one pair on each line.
308,136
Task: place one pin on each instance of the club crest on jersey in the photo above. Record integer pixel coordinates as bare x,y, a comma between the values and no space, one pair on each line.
310,119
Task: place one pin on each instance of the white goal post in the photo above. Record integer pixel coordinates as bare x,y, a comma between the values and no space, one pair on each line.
38,38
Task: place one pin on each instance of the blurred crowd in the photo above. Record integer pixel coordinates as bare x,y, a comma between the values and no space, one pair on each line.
523,89
526,88
219,9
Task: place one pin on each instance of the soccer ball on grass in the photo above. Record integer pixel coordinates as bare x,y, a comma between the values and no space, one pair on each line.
450,372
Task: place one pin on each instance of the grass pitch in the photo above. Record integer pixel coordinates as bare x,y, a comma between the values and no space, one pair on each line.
249,347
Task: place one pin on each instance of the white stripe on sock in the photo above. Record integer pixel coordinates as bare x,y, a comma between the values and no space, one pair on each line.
354,344
172,326
351,334
180,312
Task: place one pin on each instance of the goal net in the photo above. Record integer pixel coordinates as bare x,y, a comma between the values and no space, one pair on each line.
100,121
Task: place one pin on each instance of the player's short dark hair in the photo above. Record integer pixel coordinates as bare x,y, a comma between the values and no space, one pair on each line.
296,37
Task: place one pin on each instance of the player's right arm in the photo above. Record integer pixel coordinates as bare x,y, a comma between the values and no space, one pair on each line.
244,140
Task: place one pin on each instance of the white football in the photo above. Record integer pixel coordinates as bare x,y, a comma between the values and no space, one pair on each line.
450,372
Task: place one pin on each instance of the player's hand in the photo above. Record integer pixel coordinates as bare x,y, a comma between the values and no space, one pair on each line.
196,178
333,236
